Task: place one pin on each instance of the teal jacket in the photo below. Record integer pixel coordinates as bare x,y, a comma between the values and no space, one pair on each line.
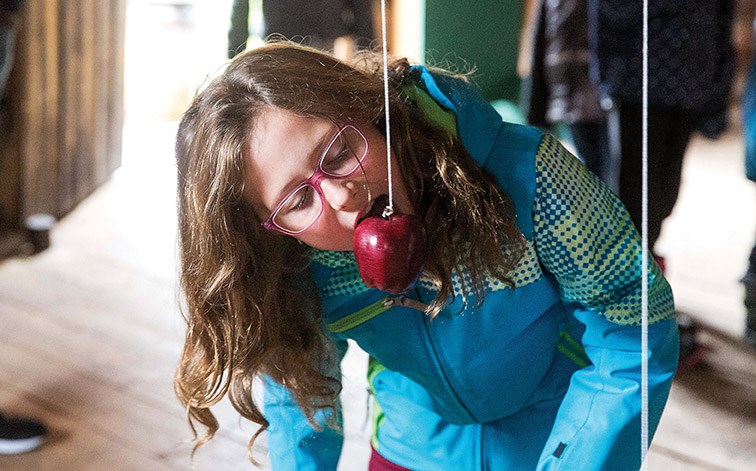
545,375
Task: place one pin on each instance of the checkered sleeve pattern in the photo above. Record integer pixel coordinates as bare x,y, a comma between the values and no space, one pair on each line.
345,278
586,239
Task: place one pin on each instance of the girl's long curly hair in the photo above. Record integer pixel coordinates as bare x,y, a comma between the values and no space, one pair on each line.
251,307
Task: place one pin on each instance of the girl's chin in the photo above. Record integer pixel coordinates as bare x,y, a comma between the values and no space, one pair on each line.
340,244
333,248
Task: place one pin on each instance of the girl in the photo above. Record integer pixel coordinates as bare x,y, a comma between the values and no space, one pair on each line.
519,347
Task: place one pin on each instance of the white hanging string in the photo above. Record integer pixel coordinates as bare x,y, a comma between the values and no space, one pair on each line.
390,208
644,247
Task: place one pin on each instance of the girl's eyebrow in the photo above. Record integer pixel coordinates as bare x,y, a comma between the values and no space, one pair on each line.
319,148
313,158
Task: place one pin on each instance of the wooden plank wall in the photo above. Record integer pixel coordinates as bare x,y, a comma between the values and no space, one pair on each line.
71,61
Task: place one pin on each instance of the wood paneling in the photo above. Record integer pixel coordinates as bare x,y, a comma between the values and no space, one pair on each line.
70,116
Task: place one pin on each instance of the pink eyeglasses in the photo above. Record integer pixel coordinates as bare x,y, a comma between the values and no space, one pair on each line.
300,209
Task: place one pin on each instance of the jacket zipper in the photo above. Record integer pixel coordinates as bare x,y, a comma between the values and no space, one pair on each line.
372,310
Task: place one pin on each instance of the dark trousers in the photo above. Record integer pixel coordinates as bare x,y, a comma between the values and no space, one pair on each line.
597,144
750,276
749,280
669,131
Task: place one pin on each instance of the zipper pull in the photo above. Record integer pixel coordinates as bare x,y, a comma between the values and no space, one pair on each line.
389,302
404,301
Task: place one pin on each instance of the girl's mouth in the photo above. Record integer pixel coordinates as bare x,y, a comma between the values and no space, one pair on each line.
376,209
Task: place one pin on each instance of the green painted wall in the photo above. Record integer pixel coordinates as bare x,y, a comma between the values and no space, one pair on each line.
482,33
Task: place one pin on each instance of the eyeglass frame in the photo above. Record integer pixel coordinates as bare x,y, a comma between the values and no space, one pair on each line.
314,181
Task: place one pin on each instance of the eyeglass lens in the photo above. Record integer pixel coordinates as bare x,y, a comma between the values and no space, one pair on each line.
342,157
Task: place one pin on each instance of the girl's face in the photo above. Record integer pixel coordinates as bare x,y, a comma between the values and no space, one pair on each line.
284,151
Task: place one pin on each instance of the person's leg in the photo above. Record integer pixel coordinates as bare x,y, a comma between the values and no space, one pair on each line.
630,117
749,280
591,139
665,170
630,181
238,32
664,176
598,145
669,131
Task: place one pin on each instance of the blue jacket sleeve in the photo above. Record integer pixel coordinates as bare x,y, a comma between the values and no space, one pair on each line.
293,443
586,240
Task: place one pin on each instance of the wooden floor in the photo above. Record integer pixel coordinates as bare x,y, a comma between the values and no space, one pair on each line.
710,421
90,332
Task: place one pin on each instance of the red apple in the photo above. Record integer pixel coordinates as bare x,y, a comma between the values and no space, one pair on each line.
390,251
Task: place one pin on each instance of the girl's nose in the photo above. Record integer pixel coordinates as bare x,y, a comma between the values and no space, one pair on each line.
340,194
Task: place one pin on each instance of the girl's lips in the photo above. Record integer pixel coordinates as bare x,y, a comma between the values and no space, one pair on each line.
376,209
360,216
